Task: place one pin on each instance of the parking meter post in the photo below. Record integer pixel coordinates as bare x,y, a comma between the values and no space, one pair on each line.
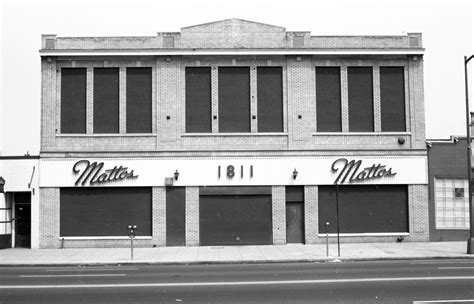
327,238
132,230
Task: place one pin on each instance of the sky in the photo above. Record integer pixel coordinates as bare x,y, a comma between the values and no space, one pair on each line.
447,27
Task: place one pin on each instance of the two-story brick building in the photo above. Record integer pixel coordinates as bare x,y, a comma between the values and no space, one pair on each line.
230,133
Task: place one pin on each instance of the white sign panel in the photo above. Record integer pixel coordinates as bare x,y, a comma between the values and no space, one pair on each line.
232,171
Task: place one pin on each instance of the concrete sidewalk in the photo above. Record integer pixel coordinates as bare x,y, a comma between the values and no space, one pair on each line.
234,254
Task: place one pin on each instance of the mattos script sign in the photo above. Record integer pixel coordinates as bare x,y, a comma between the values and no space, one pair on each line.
232,171
352,171
94,173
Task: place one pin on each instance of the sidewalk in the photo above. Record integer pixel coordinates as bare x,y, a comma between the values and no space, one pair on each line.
234,254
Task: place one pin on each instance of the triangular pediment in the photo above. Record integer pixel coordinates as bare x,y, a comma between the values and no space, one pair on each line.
223,25
233,33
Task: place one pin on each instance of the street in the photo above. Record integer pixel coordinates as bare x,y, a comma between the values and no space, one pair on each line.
348,282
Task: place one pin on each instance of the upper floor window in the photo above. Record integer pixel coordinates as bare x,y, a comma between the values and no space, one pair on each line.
361,101
233,107
106,100
73,100
270,99
198,100
392,99
234,99
328,99
139,100
105,90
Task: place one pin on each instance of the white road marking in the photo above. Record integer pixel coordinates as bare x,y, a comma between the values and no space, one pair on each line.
441,262
90,269
197,284
72,275
459,267
444,301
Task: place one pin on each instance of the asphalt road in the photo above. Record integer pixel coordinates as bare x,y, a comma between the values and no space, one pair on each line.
348,282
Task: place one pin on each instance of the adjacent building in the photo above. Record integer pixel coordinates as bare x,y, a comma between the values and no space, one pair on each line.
449,189
232,133
19,201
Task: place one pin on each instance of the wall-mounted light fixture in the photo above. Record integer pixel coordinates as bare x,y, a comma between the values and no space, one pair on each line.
295,174
176,174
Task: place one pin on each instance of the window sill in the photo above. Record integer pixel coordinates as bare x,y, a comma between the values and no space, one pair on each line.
231,134
453,229
109,135
79,238
381,234
362,133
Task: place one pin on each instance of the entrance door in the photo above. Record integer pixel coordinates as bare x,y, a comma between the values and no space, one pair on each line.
294,223
22,220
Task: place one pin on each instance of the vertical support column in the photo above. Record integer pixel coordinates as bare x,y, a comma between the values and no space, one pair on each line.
311,215
417,114
419,217
49,218
278,215
122,100
253,100
90,101
377,101
344,100
159,216
215,99
192,216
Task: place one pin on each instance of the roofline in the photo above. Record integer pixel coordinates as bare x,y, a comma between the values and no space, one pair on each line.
207,52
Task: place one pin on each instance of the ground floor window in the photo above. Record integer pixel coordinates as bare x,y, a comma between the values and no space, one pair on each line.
451,203
364,209
105,211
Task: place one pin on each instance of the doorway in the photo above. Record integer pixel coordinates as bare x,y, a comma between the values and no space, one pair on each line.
295,214
22,209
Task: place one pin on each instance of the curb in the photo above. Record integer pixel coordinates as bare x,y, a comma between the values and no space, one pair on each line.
235,262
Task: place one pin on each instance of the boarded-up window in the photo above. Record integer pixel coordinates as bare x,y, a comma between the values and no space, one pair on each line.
73,100
270,99
392,98
328,99
361,104
175,216
234,99
105,211
198,100
106,100
364,209
139,98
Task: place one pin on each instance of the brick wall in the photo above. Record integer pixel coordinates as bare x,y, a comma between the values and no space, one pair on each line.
278,215
192,216
49,218
311,220
159,216
418,213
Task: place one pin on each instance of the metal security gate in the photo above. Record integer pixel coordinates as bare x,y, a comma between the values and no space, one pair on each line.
235,217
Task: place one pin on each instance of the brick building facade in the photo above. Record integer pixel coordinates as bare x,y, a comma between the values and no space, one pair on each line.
233,133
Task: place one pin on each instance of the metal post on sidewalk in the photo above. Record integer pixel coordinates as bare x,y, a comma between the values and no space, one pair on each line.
470,241
337,221
327,238
132,231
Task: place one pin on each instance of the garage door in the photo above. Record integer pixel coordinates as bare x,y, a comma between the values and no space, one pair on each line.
235,216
